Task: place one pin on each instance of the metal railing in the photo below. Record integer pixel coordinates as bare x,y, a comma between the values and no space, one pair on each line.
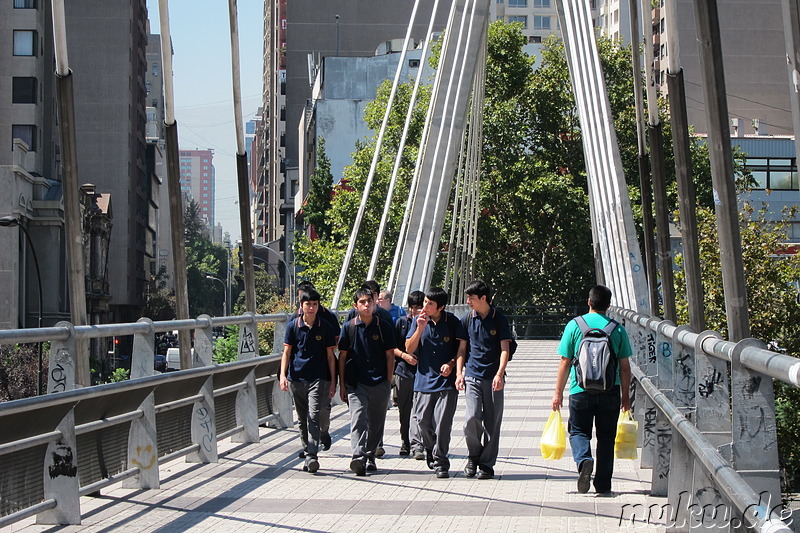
74,442
706,413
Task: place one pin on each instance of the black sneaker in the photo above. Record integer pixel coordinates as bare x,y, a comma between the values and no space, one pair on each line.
471,468
404,450
301,454
371,466
485,472
419,454
379,451
429,458
312,466
442,473
357,466
585,475
325,440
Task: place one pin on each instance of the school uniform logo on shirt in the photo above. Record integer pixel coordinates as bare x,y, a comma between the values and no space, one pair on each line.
447,339
318,337
375,336
493,332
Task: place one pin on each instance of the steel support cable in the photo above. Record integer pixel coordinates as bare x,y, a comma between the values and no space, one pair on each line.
403,137
445,182
404,227
373,166
455,219
459,40
243,181
595,175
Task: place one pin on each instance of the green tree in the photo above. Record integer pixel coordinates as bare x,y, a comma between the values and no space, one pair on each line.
203,258
319,194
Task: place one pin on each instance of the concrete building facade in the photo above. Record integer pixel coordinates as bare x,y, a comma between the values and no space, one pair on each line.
197,181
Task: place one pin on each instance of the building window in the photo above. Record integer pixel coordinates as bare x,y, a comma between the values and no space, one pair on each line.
205,160
23,91
541,3
413,63
155,103
519,18
535,39
774,174
155,69
541,22
518,3
499,1
24,4
24,43
147,86
26,132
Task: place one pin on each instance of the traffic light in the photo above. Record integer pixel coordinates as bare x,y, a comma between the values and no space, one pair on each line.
241,259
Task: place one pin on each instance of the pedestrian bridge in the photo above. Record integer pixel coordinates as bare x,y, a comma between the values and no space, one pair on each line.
261,486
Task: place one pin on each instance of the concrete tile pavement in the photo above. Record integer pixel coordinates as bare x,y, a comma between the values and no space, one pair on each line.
261,487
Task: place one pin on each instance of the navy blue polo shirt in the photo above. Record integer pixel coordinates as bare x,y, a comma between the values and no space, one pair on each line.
309,358
326,315
485,334
437,345
366,360
379,312
401,367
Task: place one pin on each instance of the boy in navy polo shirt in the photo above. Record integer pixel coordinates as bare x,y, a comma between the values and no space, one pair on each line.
308,369
437,337
366,367
482,374
405,370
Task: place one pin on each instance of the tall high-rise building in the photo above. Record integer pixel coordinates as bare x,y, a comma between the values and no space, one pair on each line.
539,18
197,181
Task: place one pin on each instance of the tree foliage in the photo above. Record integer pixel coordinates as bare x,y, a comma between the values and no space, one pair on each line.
319,194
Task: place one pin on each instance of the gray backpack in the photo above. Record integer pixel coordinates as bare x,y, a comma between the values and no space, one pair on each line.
596,363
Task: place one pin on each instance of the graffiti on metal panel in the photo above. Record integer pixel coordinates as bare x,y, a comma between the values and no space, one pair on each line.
147,461
710,384
751,387
248,345
206,423
752,426
649,427
63,462
58,375
651,348
663,446
684,385
666,349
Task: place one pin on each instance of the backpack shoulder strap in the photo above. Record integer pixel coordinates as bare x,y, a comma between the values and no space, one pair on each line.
610,327
351,332
584,327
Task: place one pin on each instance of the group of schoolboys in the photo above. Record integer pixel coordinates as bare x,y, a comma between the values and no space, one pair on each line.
428,354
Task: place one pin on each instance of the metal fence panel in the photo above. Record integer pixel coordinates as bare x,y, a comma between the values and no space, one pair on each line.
102,453
21,482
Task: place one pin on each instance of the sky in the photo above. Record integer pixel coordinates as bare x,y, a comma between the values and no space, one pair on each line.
201,67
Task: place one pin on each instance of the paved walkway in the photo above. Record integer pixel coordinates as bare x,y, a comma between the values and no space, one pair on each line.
261,487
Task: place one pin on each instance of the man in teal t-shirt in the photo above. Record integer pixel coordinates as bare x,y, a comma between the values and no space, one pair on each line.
598,409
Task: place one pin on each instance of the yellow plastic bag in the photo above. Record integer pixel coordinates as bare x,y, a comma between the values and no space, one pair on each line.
625,443
554,437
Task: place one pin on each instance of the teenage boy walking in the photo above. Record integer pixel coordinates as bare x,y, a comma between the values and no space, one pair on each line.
482,374
598,409
308,369
366,367
437,337
405,371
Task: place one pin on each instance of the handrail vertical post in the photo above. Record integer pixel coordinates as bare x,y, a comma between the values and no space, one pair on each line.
60,474
203,425
281,400
665,383
143,435
246,404
63,355
649,412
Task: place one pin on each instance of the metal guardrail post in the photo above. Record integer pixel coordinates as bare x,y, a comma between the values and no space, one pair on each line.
681,463
755,441
203,425
246,404
663,431
142,437
639,346
714,421
281,400
649,412
61,371
61,481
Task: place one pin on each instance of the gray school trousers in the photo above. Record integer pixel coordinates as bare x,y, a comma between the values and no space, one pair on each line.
309,397
368,405
434,412
405,402
482,422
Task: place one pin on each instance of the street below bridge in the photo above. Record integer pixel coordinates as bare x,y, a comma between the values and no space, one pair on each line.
261,486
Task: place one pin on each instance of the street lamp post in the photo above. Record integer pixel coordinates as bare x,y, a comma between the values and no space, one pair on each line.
224,297
10,221
289,273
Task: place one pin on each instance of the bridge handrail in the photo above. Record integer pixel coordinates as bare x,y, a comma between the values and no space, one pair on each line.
744,356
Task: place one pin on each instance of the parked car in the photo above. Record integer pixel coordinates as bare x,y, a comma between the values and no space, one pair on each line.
160,363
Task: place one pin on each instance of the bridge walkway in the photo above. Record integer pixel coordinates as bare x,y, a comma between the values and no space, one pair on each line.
261,486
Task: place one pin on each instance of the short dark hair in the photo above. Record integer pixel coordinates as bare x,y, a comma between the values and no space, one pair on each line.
362,292
479,288
416,299
600,298
373,286
438,295
305,285
308,295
